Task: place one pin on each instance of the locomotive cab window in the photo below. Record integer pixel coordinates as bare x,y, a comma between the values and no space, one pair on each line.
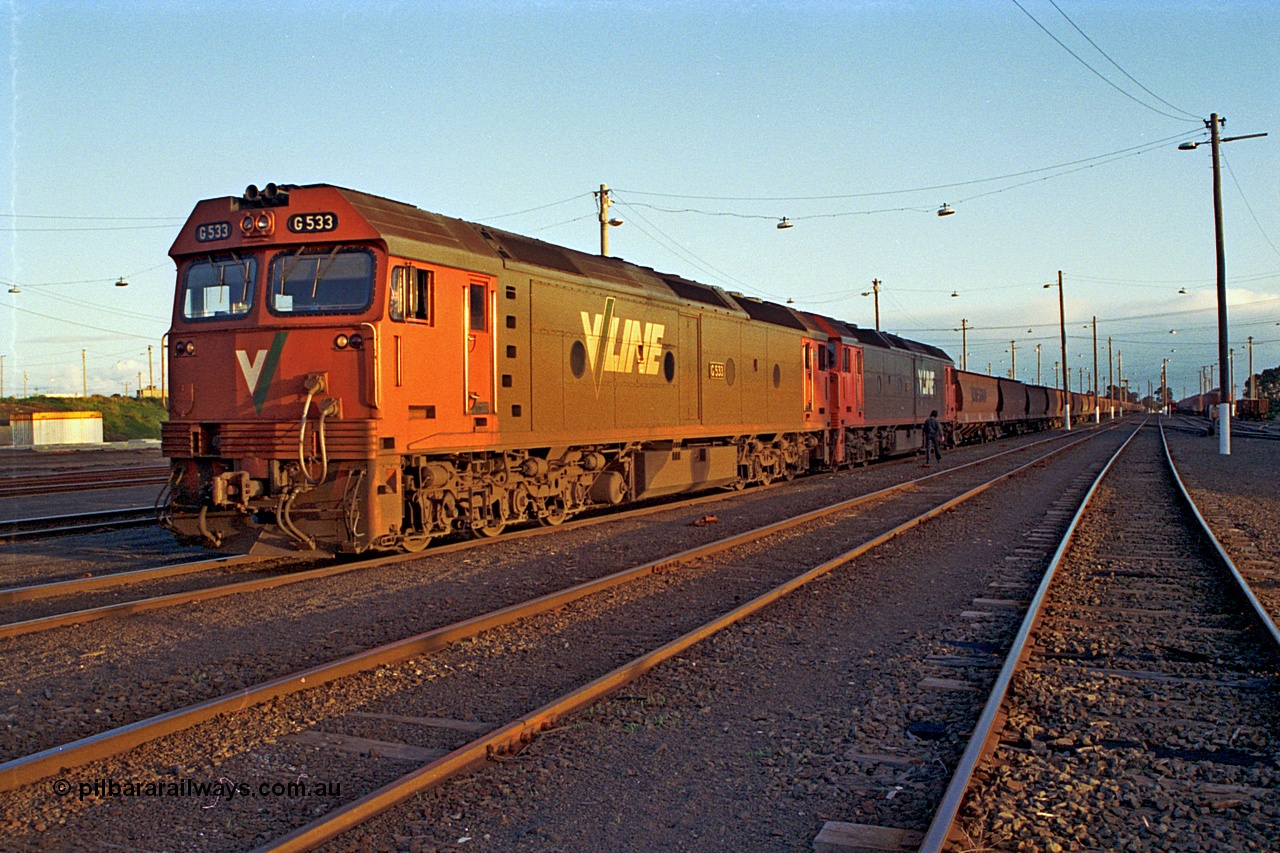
219,288
479,322
412,294
336,281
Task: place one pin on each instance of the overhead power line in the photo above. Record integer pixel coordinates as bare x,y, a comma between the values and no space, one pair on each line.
1099,74
1133,149
1248,207
1191,116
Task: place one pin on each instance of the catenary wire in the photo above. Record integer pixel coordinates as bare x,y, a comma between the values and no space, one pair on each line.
1247,206
1190,115
932,188
533,209
1098,73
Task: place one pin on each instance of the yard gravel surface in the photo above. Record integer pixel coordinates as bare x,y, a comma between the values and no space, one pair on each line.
103,675
1147,719
1239,495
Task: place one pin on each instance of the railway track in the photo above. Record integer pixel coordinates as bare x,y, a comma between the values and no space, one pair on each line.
1137,705
756,584
1239,429
75,523
88,609
78,481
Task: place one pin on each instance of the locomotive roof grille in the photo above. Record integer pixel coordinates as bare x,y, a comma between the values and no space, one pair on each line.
771,312
536,252
693,291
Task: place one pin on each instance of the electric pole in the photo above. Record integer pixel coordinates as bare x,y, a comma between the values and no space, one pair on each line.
875,292
1111,381
84,375
1097,404
604,202
1251,389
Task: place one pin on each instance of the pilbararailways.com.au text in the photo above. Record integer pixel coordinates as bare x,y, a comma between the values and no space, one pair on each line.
223,788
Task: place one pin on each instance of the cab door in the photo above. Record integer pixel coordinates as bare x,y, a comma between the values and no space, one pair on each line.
479,306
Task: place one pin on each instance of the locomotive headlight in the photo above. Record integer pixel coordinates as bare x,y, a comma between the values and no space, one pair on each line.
341,341
246,224
357,341
263,223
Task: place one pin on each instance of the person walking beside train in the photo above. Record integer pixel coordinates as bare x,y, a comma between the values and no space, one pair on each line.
932,437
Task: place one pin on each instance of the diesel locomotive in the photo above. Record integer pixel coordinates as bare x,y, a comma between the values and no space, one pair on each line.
353,373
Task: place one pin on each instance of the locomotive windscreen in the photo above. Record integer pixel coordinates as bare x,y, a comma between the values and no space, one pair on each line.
219,287
333,282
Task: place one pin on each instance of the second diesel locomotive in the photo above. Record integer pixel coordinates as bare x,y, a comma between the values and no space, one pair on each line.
353,373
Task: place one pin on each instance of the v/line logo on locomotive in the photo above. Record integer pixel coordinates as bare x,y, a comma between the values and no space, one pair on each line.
264,361
926,377
637,348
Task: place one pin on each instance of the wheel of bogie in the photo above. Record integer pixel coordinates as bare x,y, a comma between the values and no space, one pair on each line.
556,514
415,543
489,529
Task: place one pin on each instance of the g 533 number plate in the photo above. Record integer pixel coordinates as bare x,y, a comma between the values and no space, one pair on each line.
311,223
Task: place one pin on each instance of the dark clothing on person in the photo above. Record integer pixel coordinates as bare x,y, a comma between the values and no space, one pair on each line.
932,438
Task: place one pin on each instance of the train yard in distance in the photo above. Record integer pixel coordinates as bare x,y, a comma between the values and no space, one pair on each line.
874,658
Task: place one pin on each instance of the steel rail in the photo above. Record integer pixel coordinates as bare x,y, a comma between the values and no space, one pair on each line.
22,528
1260,613
515,734
77,617
31,768
985,732
14,594
49,484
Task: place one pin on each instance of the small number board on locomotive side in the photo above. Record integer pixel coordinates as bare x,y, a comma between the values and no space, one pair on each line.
313,223
212,231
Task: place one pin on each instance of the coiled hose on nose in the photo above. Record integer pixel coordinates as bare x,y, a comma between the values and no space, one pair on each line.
314,387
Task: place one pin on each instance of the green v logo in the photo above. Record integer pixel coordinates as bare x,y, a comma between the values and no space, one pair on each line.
259,370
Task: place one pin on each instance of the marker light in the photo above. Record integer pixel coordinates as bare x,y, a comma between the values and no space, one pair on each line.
341,341
357,341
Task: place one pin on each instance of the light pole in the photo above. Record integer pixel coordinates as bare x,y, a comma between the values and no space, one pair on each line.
1231,366
1038,364
875,291
1097,405
1250,389
1111,382
605,222
1224,406
1062,325
1164,387
1013,360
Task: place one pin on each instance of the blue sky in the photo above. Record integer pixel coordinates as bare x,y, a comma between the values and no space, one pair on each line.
121,116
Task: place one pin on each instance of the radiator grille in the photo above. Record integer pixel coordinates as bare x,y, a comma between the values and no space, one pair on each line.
343,440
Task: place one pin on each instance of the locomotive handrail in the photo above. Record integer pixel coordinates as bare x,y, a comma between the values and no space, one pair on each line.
377,375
